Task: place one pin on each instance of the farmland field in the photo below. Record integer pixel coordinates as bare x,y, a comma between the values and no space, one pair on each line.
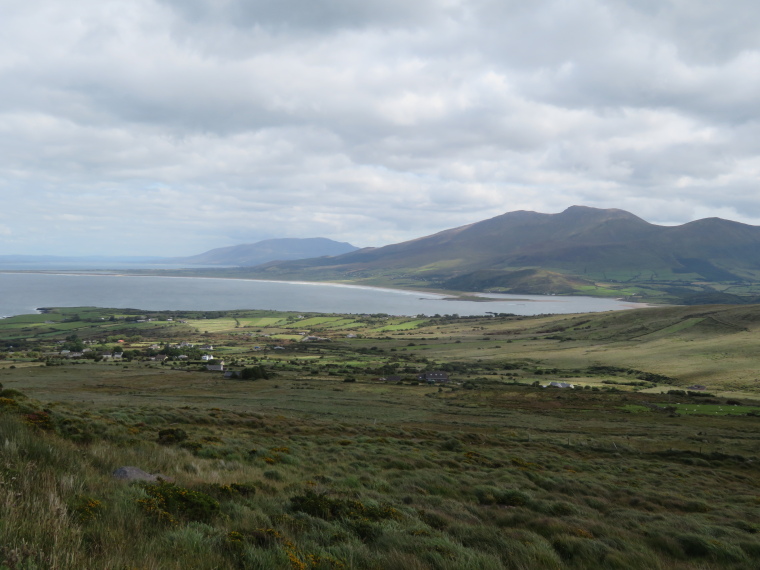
321,462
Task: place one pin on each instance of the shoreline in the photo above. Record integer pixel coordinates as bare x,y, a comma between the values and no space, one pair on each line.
56,288
442,294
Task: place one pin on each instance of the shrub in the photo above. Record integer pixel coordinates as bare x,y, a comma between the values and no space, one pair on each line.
253,373
229,490
273,475
167,501
11,393
451,444
171,435
40,420
85,509
321,506
365,530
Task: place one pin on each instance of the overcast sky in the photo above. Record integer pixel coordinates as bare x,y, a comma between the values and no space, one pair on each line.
169,127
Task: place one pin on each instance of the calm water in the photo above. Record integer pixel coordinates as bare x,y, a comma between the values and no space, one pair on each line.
23,293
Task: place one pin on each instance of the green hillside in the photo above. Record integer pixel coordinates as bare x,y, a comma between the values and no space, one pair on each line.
267,250
581,250
337,456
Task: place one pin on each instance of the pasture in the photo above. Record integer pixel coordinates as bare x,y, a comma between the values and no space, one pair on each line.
326,464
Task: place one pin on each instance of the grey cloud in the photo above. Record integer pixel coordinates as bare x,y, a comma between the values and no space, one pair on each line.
367,122
324,16
704,32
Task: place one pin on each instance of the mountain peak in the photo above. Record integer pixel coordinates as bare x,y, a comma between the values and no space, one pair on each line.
592,243
271,250
608,213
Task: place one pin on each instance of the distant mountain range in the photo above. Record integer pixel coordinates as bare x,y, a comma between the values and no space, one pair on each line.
581,250
531,252
72,262
246,255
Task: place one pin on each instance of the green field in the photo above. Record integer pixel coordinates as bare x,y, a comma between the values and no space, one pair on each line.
324,465
704,409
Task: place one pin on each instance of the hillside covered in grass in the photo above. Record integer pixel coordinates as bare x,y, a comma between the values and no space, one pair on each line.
581,250
320,463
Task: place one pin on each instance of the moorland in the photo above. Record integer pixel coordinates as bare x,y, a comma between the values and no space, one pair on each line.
322,447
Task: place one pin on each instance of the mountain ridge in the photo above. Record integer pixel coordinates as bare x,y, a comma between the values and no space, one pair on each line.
581,242
244,255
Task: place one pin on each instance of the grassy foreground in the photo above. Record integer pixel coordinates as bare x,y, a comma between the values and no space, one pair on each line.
321,465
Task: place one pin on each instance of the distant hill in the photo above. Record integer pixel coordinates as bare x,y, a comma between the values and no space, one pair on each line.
268,250
60,262
563,251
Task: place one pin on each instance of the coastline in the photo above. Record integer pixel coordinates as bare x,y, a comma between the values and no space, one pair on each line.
443,294
28,291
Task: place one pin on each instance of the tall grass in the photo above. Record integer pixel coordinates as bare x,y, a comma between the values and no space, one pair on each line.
294,493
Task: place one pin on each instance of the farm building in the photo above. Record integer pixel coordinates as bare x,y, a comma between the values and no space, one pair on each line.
433,377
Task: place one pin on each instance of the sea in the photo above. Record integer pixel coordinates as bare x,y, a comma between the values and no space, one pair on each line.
25,293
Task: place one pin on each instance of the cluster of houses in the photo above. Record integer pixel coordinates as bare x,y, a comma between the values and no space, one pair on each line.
185,344
81,354
431,377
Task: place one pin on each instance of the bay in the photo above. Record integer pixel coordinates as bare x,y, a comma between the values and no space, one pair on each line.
24,293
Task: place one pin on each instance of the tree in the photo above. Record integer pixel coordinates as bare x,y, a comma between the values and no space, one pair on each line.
254,373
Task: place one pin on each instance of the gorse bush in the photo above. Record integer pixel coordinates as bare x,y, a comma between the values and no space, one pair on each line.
86,509
170,436
168,502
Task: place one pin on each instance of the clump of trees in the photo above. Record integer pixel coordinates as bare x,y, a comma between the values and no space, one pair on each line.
253,373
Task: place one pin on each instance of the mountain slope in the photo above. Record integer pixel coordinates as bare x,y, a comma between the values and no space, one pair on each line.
590,243
269,250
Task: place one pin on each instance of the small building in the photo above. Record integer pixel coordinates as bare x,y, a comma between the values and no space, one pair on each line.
433,377
215,367
207,357
559,385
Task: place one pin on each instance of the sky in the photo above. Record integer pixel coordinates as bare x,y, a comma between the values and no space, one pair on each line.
170,127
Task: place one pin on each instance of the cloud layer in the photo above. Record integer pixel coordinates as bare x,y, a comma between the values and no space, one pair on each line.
174,126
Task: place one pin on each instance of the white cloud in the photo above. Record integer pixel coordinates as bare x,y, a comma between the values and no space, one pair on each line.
166,127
